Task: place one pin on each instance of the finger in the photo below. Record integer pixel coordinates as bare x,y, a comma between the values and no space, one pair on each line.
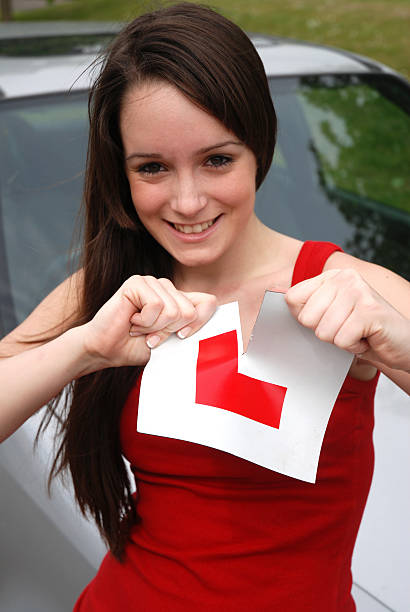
352,335
155,339
312,311
135,331
152,339
159,311
188,313
178,310
146,302
171,311
334,317
205,306
297,296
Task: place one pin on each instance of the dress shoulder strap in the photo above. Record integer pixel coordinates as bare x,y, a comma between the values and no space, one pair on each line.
311,259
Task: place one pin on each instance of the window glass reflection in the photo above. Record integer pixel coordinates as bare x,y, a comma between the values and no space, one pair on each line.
42,156
344,144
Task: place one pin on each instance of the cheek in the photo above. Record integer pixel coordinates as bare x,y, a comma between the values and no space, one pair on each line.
147,199
238,191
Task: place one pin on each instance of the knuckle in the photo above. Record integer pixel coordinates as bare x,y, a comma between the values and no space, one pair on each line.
342,341
301,317
368,302
342,344
323,334
189,313
156,304
305,319
289,297
211,301
165,282
172,313
320,335
131,280
351,276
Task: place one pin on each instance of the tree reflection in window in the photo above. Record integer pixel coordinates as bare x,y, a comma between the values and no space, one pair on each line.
361,142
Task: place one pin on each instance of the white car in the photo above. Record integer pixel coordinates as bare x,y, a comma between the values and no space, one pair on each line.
340,173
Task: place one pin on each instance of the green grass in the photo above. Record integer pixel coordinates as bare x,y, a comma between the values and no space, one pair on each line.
379,29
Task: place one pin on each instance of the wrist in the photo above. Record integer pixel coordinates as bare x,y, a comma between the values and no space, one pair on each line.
85,360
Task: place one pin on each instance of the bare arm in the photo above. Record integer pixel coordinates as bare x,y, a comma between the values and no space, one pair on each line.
141,314
31,378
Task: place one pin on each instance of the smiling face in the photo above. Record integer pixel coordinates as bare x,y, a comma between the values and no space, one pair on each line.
192,181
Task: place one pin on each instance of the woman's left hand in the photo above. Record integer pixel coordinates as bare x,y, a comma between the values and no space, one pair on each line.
342,308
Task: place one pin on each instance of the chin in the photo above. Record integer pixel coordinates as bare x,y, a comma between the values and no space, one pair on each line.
195,260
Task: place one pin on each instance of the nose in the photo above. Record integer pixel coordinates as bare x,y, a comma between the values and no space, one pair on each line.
187,198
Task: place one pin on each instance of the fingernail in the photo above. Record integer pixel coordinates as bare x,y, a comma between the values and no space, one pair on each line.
183,333
152,341
135,333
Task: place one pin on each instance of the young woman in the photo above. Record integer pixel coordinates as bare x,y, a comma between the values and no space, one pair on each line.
182,134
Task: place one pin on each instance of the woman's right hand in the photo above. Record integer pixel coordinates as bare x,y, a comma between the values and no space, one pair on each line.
141,315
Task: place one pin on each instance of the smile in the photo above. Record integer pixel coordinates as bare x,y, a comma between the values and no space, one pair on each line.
197,228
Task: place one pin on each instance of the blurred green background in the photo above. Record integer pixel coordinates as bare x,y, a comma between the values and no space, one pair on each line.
379,29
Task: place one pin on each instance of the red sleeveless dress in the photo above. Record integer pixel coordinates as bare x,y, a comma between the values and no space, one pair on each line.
220,534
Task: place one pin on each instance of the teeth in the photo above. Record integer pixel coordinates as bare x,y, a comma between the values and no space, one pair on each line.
193,229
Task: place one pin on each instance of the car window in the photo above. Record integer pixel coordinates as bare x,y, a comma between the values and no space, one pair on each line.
362,141
342,169
40,46
42,157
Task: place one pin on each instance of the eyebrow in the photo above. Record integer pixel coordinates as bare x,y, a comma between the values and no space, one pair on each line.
219,145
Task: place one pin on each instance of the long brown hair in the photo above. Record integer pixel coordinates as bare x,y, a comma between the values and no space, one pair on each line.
215,65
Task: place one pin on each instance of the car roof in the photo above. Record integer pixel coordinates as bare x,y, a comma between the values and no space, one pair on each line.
26,74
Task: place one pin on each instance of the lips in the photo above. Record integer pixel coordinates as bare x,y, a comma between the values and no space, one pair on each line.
196,228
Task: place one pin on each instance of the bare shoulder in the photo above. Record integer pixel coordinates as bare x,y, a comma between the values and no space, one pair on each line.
287,250
54,315
390,285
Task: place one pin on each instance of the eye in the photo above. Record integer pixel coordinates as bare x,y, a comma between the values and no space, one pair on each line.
217,161
151,168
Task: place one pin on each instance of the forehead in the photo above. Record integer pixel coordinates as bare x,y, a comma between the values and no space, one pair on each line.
160,112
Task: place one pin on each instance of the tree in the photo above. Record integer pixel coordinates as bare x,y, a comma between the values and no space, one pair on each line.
6,10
